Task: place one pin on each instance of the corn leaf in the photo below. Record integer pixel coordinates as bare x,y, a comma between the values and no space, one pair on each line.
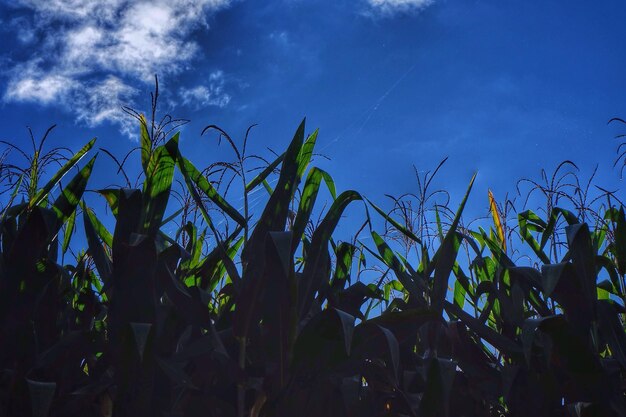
43,193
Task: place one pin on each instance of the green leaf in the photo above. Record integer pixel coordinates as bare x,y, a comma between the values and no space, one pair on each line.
43,193
406,232
459,294
145,143
330,184
98,227
611,269
444,258
194,177
157,185
316,270
305,208
413,285
111,195
260,178
344,253
70,196
529,221
306,152
94,231
67,234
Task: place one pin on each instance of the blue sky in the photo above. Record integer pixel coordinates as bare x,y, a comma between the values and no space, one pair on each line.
500,86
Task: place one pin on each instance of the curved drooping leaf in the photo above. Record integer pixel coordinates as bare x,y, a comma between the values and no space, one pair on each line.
402,229
528,221
111,195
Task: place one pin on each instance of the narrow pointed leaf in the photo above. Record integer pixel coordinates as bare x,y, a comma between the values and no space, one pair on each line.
97,252
145,142
70,196
306,152
444,258
193,176
43,193
316,269
260,178
69,230
307,201
159,176
495,214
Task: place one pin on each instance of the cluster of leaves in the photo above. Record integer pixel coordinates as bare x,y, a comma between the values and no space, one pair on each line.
273,319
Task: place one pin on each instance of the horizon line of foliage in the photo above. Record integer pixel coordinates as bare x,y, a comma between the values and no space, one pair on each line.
271,316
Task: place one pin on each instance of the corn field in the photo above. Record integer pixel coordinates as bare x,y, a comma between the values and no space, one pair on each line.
265,312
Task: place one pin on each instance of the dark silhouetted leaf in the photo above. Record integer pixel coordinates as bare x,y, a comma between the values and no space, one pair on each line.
41,396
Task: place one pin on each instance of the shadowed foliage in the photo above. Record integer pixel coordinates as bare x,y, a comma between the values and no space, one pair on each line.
267,313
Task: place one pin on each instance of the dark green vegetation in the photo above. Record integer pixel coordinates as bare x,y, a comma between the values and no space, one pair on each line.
268,316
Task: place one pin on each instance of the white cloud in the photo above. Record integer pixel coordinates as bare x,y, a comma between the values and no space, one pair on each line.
89,47
36,86
102,101
206,95
392,7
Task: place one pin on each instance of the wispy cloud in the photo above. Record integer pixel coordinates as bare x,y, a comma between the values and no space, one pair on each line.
86,54
211,94
393,7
